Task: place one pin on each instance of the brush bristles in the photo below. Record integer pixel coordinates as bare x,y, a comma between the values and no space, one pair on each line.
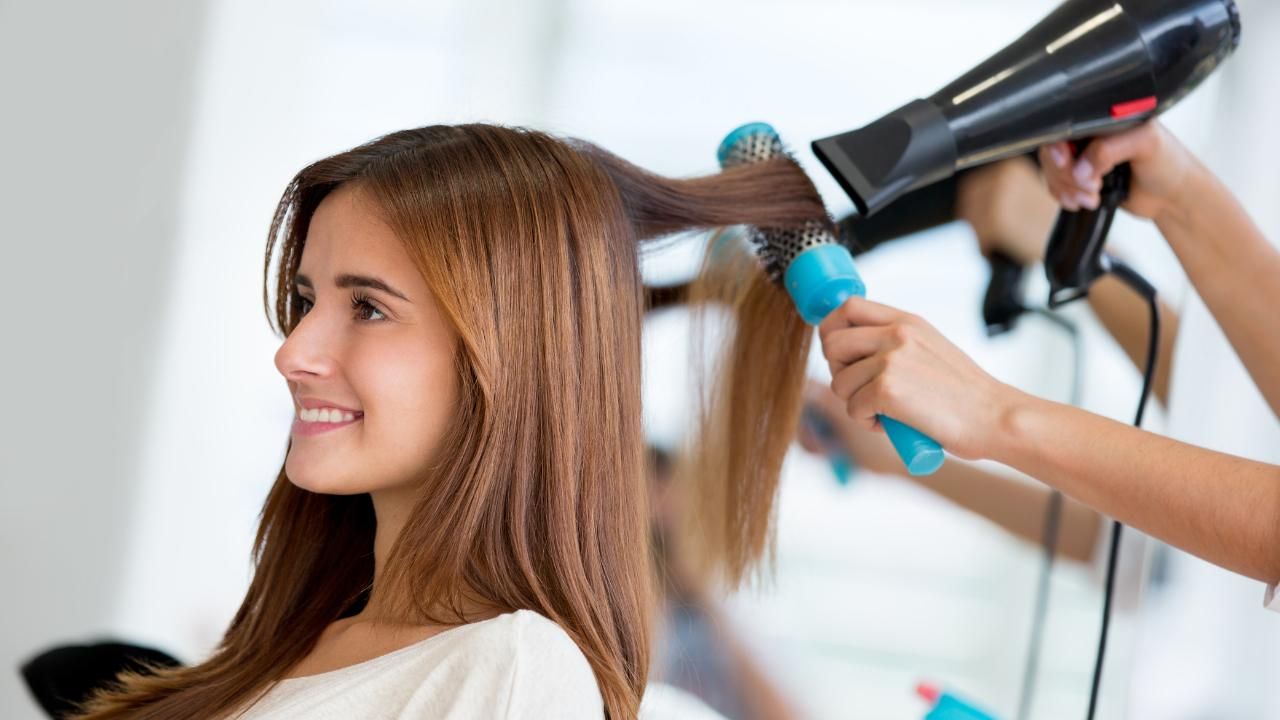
754,148
776,247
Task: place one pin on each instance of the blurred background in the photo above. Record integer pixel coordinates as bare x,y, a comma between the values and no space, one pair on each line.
146,142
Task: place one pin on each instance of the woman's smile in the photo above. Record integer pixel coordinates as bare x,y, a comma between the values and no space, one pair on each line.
317,416
314,422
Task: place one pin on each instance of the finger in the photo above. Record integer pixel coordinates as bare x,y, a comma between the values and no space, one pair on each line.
1104,154
846,383
1068,200
1071,197
861,410
834,321
1060,186
1055,155
861,311
1056,161
847,346
869,402
838,319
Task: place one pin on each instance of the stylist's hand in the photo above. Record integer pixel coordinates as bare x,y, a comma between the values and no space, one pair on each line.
1161,166
1009,208
886,361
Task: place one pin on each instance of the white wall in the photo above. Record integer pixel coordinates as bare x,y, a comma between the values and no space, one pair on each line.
95,136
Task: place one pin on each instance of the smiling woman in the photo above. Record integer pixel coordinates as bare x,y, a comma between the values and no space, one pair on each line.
459,528
371,355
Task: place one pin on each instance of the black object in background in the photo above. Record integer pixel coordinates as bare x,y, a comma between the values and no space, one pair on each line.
929,207
1002,305
67,675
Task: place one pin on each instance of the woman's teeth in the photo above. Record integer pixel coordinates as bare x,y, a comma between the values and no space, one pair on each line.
325,415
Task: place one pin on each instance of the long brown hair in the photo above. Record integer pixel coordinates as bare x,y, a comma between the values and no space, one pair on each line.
537,499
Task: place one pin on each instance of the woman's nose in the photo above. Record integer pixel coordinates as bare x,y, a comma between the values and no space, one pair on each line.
306,352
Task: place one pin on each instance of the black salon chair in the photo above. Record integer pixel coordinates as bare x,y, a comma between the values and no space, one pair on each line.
62,677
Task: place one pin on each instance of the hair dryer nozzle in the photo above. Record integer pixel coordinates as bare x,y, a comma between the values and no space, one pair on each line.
909,148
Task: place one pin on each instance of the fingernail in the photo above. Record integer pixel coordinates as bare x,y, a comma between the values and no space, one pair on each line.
1084,172
1059,158
1086,200
1068,202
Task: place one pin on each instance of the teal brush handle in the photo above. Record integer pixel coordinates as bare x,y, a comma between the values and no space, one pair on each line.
819,280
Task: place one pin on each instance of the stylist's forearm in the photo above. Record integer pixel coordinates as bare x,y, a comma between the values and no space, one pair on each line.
1235,271
1219,507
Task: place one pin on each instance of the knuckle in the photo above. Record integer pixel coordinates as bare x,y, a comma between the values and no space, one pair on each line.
838,383
887,390
824,332
902,333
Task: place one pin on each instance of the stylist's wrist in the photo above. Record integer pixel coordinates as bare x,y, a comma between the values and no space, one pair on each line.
1178,212
980,430
1014,433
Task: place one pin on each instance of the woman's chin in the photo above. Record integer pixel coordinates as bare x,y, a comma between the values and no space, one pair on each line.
325,482
326,487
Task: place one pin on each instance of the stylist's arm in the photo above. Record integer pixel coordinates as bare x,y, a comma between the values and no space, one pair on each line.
1222,508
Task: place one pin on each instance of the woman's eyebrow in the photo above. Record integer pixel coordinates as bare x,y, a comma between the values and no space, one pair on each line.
350,281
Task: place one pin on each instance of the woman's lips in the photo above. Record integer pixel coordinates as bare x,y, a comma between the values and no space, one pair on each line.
307,429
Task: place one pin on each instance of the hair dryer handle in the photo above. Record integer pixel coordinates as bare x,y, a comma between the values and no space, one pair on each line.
1074,257
819,280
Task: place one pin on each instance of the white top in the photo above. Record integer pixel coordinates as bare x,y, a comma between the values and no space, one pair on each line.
517,665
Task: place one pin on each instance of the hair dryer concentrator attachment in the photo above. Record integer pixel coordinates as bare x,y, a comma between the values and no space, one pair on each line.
1091,67
819,275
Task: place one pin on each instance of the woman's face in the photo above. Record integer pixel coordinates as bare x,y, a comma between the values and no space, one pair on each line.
372,357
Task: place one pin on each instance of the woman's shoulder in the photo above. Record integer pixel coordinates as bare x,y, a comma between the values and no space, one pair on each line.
525,635
543,665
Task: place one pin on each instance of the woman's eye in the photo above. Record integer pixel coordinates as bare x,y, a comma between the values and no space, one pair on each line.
365,309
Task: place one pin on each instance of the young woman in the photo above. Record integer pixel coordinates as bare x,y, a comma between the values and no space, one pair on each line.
459,528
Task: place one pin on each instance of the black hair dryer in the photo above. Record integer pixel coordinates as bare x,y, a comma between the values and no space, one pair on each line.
1091,67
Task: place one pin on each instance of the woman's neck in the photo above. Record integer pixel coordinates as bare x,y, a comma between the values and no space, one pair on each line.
391,512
